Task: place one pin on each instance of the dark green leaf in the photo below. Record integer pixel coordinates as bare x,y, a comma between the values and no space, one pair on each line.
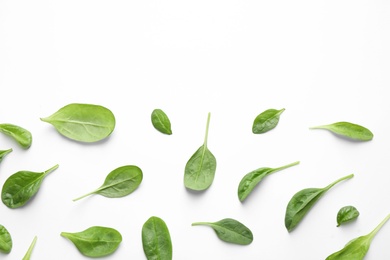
161,122
120,182
3,153
83,122
20,187
348,130
27,256
95,241
347,214
156,240
5,240
230,230
266,121
22,136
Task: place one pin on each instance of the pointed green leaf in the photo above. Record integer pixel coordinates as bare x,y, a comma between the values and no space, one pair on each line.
347,214
266,121
22,136
161,122
349,130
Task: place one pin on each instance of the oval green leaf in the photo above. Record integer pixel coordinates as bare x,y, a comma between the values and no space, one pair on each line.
349,130
156,240
161,122
83,122
230,230
22,136
27,256
266,121
347,214
3,153
20,187
120,182
95,241
5,240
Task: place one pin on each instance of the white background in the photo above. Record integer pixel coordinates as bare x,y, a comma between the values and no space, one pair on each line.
323,61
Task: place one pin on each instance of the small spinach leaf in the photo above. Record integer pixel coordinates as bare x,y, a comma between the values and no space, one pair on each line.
357,248
83,122
156,239
301,203
3,153
95,241
27,256
349,130
120,182
161,122
230,230
347,214
266,121
252,179
5,240
200,169
22,136
20,187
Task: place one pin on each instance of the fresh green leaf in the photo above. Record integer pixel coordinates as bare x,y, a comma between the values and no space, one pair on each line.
357,248
349,130
347,214
230,230
22,136
266,121
120,182
27,256
95,241
5,240
161,122
156,239
83,122
20,187
3,153
252,179
200,169
301,203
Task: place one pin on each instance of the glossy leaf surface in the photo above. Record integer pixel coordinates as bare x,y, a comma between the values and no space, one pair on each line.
95,241
3,153
83,122
5,240
349,130
22,136
200,169
27,256
156,240
120,182
161,122
301,203
230,230
347,214
20,187
266,121
252,179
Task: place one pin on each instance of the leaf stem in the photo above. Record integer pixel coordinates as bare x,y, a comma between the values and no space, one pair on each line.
286,166
319,127
90,193
7,151
339,180
375,231
200,223
207,130
30,249
51,169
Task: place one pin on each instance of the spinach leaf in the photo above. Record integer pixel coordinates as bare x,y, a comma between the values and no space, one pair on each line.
230,230
347,214
357,248
95,241
349,130
120,182
156,239
252,179
200,169
3,153
266,121
161,122
27,256
83,122
22,136
20,187
5,240
303,201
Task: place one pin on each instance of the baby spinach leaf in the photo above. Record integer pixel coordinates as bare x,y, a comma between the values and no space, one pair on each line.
357,248
266,121
161,122
20,187
252,179
200,168
95,241
27,256
301,203
5,240
3,153
83,122
349,130
347,214
22,136
120,182
230,230
156,239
